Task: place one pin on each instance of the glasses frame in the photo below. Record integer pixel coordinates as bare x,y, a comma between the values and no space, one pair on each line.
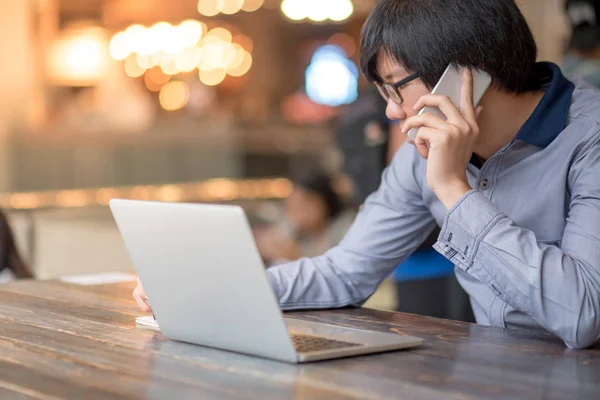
392,90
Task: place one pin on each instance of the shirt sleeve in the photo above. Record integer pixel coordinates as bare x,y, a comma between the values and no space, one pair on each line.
558,285
393,223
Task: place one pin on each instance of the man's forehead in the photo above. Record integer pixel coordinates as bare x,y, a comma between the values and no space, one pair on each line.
389,69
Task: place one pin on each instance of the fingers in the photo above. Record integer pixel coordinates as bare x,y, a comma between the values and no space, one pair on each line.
424,140
466,93
455,115
458,121
425,119
139,295
446,106
141,303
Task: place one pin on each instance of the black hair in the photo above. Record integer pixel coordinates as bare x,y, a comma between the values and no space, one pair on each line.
424,36
320,183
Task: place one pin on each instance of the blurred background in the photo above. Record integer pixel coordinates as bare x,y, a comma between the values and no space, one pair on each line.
198,101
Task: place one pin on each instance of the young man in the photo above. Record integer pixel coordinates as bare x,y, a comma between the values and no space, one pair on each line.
514,184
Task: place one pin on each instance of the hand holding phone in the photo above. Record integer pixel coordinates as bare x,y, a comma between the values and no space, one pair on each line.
450,85
446,131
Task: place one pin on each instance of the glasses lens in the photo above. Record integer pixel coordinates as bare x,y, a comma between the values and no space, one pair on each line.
393,93
382,92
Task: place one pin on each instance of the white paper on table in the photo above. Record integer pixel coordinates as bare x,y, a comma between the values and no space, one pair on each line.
147,322
98,279
6,276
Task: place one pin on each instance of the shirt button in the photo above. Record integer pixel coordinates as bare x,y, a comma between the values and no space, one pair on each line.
484,184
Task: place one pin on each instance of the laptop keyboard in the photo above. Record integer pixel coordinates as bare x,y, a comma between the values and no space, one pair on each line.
309,344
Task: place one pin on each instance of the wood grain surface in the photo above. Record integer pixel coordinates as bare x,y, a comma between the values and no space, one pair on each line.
66,341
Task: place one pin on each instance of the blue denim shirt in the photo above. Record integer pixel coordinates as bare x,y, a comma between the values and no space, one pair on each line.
525,240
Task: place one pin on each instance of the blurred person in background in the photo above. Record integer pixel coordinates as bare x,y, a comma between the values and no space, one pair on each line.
12,265
583,57
425,282
315,220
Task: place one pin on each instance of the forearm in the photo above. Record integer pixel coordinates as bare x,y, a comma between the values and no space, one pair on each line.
313,283
557,289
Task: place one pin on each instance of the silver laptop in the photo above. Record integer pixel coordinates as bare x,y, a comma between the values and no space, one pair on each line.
207,285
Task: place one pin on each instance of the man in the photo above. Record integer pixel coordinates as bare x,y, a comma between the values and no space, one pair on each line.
583,58
513,184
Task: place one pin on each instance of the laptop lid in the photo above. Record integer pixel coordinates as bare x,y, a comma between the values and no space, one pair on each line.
204,276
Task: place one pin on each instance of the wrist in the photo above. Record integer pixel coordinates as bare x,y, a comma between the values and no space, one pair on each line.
450,193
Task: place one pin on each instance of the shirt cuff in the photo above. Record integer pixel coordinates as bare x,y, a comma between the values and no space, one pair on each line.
465,225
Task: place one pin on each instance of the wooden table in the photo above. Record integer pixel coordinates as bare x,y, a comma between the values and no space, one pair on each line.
60,340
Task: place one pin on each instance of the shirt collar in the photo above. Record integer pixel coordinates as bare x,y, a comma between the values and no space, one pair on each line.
550,116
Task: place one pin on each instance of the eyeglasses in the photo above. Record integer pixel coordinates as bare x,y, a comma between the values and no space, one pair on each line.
392,90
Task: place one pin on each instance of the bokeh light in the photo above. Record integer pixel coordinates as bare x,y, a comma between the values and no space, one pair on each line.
144,62
208,8
243,67
119,47
169,67
345,41
293,9
155,79
159,38
188,60
252,5
191,32
342,10
221,33
317,10
79,56
244,41
230,7
238,56
331,78
212,77
132,68
180,49
319,14
174,95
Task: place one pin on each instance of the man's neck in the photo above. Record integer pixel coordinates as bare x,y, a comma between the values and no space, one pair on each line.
502,116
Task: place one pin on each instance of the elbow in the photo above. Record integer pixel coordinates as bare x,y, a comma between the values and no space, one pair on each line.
582,328
582,339
582,332
579,344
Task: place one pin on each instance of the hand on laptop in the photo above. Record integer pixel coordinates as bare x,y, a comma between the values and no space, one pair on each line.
139,295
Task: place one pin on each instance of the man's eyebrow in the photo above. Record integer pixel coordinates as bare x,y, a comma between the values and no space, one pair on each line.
391,75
